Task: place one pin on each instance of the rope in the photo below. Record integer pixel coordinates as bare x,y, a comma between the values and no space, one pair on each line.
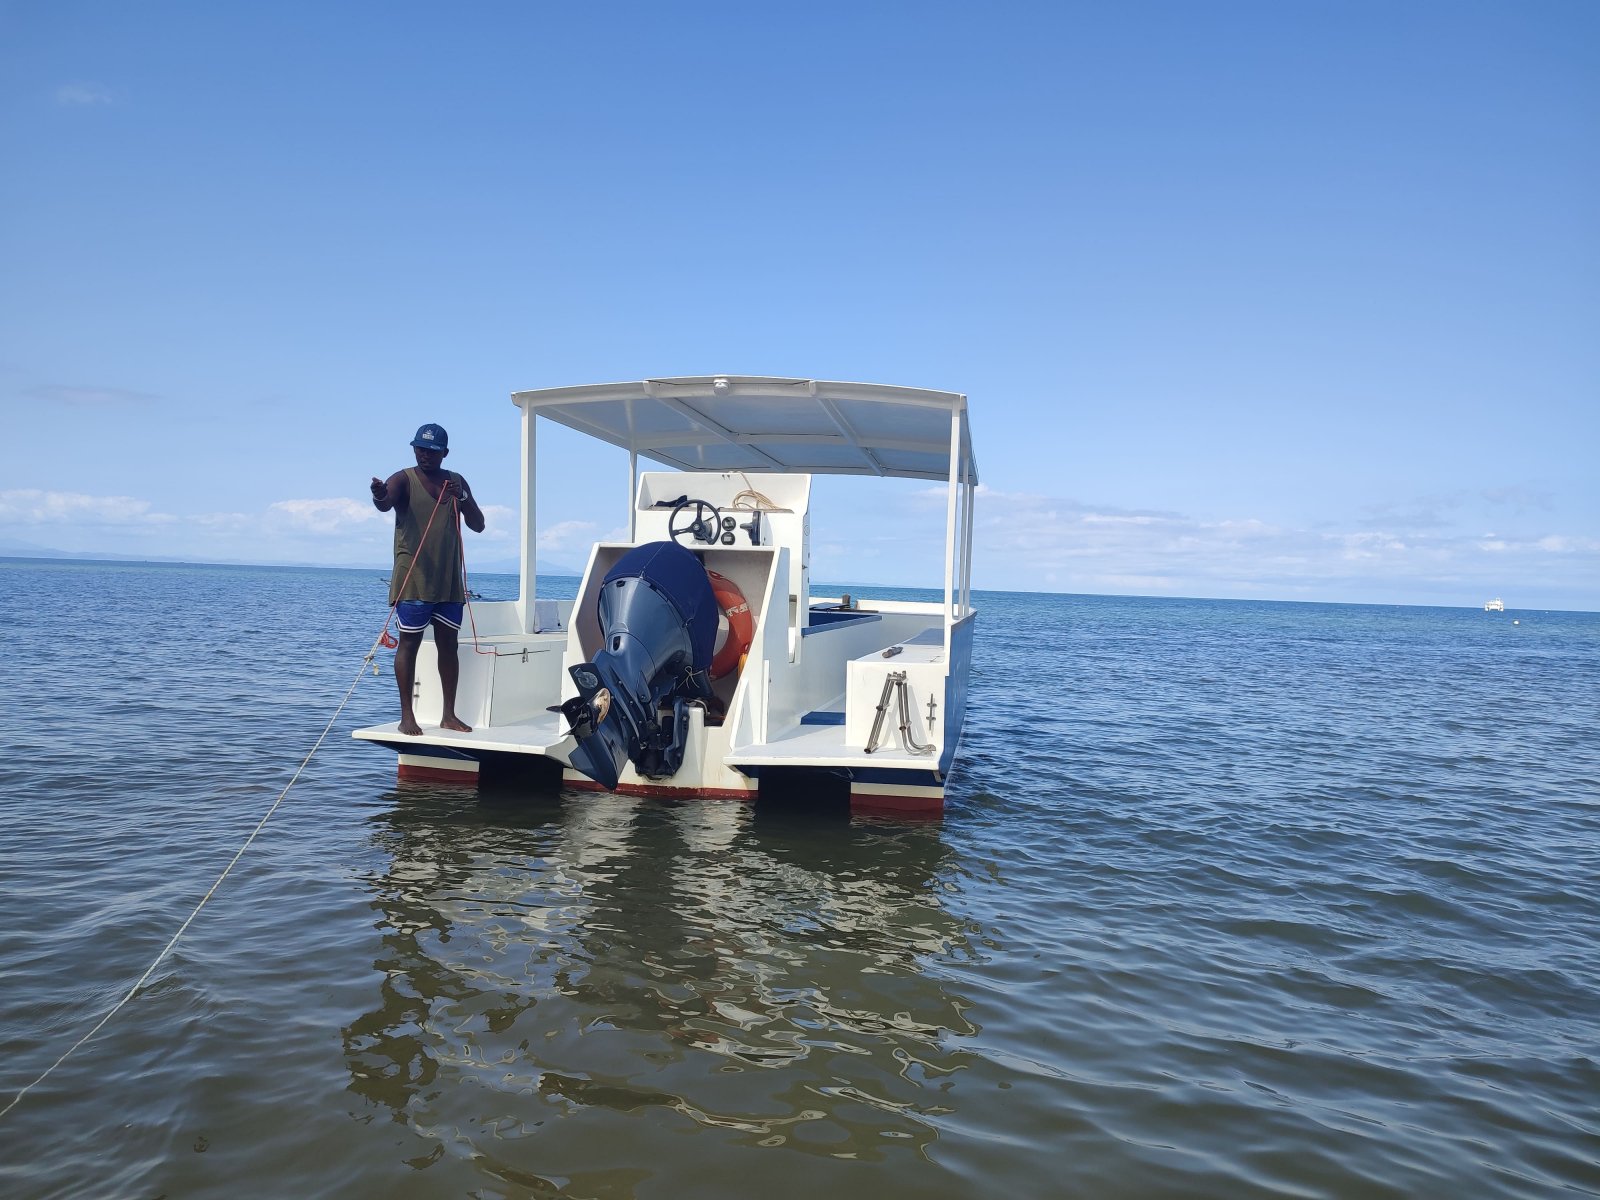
751,500
386,638
211,891
466,588
383,639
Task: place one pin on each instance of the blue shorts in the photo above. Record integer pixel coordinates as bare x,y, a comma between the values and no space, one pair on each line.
415,615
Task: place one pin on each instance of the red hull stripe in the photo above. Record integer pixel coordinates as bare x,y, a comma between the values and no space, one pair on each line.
868,802
415,774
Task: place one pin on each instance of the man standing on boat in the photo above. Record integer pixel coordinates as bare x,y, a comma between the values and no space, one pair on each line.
427,586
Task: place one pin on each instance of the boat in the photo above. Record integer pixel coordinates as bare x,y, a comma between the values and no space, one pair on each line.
695,660
1495,605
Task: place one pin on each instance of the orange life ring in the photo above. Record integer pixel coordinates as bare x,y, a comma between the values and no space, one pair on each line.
741,626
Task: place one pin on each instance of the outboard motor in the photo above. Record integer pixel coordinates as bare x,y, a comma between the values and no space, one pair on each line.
658,622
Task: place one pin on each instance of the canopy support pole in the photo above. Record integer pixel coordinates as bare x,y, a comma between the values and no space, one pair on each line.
950,524
633,493
528,591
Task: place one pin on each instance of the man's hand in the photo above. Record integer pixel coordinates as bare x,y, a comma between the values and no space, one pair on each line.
380,490
465,504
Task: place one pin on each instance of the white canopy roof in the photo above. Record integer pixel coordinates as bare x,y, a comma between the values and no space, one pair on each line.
757,423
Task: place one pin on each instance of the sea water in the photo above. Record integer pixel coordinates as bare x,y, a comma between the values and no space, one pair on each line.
1229,899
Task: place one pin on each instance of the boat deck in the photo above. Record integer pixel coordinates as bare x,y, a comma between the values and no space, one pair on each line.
823,746
537,735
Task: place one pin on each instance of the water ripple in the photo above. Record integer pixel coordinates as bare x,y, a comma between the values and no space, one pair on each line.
1230,900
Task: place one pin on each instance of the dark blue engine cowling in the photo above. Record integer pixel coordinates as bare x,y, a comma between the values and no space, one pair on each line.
658,627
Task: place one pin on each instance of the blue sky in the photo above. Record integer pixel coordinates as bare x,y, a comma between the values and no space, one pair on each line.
1287,300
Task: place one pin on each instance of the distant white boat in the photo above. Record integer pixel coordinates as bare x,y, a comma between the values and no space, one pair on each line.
1495,605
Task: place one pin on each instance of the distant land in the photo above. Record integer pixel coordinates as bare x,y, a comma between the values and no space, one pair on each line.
14,549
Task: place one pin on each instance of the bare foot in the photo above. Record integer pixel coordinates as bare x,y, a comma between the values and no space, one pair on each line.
409,727
456,723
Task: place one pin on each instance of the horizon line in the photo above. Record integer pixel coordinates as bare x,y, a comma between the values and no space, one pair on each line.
89,558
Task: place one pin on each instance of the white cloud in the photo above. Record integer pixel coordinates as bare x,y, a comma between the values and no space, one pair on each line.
82,94
567,535
1022,538
501,524
330,518
32,506
1556,544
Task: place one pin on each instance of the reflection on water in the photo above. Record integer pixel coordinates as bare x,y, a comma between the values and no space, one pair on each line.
589,959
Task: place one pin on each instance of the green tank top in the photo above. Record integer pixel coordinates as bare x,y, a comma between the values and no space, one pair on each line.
436,575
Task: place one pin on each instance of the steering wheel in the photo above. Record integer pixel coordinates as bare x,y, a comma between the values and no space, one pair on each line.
697,517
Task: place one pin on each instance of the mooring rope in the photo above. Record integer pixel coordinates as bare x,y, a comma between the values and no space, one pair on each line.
212,890
383,639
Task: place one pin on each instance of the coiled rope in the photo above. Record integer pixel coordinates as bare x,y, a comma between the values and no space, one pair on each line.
383,639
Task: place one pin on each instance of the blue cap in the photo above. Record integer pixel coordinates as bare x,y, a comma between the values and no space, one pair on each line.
431,437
